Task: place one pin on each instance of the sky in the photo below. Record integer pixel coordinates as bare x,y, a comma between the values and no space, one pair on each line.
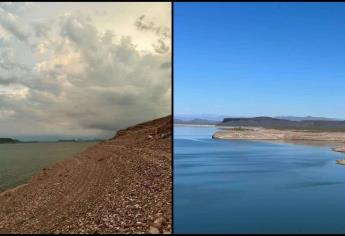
259,59
83,69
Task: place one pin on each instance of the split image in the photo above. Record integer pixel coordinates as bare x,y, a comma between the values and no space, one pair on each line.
172,117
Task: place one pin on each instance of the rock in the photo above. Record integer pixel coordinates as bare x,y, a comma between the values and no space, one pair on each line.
159,214
149,137
340,162
339,149
154,230
159,221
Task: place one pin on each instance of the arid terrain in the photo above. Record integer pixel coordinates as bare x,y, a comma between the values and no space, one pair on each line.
122,185
258,133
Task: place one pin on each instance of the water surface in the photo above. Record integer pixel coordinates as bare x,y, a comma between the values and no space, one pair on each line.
223,186
20,161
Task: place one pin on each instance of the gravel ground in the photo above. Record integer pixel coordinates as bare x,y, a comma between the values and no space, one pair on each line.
122,185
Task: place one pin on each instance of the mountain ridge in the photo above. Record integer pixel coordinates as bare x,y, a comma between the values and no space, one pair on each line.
270,122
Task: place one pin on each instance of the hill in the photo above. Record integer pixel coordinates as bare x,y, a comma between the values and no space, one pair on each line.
8,140
300,118
275,123
195,122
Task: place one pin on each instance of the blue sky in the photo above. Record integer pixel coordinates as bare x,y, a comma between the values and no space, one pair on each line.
251,59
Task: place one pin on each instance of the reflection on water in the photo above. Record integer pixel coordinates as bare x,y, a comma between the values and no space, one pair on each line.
18,162
254,186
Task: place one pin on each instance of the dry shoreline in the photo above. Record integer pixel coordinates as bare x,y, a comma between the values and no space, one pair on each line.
336,140
12,190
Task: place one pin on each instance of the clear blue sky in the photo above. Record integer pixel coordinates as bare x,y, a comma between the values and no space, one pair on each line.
251,59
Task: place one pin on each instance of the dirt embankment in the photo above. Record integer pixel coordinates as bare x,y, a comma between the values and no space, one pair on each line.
122,185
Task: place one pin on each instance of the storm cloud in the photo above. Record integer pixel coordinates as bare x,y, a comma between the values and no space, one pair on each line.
68,76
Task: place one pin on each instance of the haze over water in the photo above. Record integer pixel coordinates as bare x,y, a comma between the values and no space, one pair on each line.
223,186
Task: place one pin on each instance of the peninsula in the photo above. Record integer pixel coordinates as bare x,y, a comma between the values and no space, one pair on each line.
267,128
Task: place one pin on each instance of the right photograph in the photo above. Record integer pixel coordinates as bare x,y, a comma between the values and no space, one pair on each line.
259,118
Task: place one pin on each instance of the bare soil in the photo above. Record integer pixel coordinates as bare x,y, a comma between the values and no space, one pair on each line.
122,185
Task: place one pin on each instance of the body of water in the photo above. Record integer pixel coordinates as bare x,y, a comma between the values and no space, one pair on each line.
223,186
19,162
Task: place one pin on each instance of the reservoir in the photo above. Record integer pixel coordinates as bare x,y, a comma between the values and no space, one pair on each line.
223,186
20,161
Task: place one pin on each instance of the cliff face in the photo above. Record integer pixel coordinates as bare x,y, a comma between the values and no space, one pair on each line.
269,122
122,185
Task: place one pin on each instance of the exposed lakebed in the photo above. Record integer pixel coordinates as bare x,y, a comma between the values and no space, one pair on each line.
223,186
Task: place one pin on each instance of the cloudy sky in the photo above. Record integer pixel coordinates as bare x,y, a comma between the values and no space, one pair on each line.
83,69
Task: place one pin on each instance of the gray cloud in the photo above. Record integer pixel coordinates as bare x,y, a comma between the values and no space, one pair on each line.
14,7
161,46
42,29
85,82
142,24
166,65
9,22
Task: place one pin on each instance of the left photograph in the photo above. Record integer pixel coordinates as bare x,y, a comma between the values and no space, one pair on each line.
85,117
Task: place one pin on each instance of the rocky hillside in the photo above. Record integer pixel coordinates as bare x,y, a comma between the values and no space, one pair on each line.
122,185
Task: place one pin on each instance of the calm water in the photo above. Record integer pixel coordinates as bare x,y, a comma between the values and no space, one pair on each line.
18,162
255,187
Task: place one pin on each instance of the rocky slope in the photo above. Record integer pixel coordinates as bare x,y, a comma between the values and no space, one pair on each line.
122,185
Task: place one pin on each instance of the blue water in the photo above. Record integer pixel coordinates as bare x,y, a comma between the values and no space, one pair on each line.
223,186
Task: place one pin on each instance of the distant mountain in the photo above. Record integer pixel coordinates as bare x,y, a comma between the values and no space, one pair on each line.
269,122
220,117
300,118
8,140
200,116
66,140
195,122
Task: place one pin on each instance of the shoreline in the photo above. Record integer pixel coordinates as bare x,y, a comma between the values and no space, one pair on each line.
13,189
334,140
